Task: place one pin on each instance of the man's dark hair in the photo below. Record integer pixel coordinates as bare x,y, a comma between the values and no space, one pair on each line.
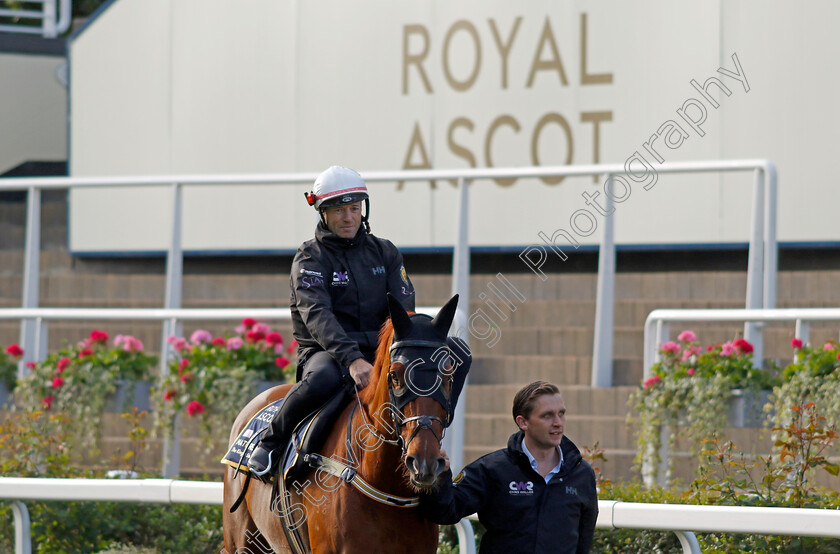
523,402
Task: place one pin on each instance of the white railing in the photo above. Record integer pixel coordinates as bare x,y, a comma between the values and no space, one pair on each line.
613,514
761,271
657,332
54,17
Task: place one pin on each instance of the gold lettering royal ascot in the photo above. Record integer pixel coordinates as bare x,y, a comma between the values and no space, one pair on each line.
416,45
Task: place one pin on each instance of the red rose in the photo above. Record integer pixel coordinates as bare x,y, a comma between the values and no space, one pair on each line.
86,352
57,382
30,365
170,394
14,350
796,343
282,361
62,364
47,401
186,377
183,365
194,408
274,338
743,346
249,322
219,341
254,336
98,336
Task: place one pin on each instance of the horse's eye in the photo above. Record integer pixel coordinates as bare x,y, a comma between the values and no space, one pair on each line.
395,379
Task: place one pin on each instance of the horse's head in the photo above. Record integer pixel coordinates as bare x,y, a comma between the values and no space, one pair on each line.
416,377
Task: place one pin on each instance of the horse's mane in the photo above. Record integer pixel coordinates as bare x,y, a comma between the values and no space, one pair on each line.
381,365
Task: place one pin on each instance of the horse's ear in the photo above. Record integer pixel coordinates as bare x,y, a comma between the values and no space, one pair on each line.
399,318
443,320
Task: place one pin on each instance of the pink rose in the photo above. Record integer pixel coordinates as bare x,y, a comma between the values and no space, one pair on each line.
278,349
687,336
201,336
727,349
690,371
829,346
14,350
689,352
254,336
235,343
670,347
796,343
651,381
261,328
194,408
744,346
98,336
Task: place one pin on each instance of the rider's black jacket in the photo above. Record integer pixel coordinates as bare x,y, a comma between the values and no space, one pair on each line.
338,300
520,511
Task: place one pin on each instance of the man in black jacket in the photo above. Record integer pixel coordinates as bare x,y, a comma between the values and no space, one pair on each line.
339,282
538,495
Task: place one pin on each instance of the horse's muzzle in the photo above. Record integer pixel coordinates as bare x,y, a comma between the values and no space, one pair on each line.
422,474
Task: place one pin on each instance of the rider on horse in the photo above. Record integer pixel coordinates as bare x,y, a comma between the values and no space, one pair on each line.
339,282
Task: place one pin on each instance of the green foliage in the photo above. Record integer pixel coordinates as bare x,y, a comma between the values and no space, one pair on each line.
213,378
77,379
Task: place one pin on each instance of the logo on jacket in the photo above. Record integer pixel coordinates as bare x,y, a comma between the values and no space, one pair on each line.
378,270
521,487
340,279
571,490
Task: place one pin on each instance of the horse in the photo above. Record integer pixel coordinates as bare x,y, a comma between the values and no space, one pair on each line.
391,434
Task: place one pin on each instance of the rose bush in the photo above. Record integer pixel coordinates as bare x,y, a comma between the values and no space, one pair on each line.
689,390
212,378
76,380
9,358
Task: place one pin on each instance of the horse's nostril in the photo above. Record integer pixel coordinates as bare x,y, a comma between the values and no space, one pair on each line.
441,463
411,463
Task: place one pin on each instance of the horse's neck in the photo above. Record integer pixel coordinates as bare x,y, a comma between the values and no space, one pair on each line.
378,461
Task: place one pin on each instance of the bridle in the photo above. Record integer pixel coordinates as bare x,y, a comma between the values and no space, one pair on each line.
400,397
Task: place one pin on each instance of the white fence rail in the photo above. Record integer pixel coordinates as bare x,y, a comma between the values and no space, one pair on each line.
51,19
614,514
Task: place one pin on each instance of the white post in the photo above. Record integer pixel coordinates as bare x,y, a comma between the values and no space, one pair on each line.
803,333
174,281
31,277
602,349
771,250
49,21
23,533
755,266
454,441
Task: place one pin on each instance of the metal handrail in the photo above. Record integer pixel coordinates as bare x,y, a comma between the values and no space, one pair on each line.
613,514
51,26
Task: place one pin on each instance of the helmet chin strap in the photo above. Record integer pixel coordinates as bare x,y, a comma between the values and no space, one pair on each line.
365,215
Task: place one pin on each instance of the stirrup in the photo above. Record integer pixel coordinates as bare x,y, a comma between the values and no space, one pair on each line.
263,473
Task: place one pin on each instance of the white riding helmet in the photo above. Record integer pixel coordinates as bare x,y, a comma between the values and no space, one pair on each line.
335,187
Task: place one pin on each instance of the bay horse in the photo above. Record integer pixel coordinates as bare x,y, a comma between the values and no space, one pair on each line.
397,456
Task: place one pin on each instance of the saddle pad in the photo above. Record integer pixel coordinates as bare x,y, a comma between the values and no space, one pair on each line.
240,451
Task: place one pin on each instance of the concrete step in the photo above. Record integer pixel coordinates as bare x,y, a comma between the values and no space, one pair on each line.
580,400
609,431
